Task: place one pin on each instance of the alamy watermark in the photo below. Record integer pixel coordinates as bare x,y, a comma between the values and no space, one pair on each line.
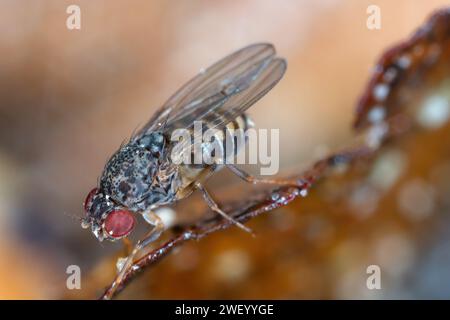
213,146
374,279
73,281
373,21
73,21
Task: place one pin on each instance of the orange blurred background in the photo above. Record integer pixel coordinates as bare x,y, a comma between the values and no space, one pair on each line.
68,98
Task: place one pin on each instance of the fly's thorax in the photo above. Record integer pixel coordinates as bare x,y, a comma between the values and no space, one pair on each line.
129,175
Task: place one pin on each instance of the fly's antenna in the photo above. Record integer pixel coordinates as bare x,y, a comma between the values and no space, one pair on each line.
72,216
82,220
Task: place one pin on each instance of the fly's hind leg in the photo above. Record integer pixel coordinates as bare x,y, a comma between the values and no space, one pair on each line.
251,179
157,228
214,207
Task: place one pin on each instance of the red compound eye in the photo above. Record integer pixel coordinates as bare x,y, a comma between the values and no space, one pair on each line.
119,223
87,203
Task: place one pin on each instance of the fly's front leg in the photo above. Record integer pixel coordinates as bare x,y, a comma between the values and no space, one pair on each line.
214,207
127,246
157,228
251,179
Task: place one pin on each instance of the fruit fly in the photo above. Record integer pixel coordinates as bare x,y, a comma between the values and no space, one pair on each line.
141,177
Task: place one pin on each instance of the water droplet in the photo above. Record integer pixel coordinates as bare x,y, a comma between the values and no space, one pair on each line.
377,114
232,265
435,112
120,263
404,61
417,199
380,92
387,168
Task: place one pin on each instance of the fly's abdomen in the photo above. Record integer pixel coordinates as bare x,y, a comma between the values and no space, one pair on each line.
228,142
224,145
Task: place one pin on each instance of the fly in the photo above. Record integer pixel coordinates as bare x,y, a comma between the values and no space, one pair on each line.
141,175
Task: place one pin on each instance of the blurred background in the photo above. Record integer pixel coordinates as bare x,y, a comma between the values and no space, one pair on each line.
68,98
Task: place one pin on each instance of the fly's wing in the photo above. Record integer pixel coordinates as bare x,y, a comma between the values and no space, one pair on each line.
221,92
225,100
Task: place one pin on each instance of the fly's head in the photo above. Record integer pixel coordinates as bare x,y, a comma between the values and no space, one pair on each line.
106,219
126,183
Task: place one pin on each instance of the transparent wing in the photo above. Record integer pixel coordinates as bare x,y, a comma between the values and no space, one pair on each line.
221,92
218,109
230,98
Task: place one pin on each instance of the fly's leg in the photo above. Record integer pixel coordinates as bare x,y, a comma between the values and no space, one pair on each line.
251,179
214,207
157,228
127,246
